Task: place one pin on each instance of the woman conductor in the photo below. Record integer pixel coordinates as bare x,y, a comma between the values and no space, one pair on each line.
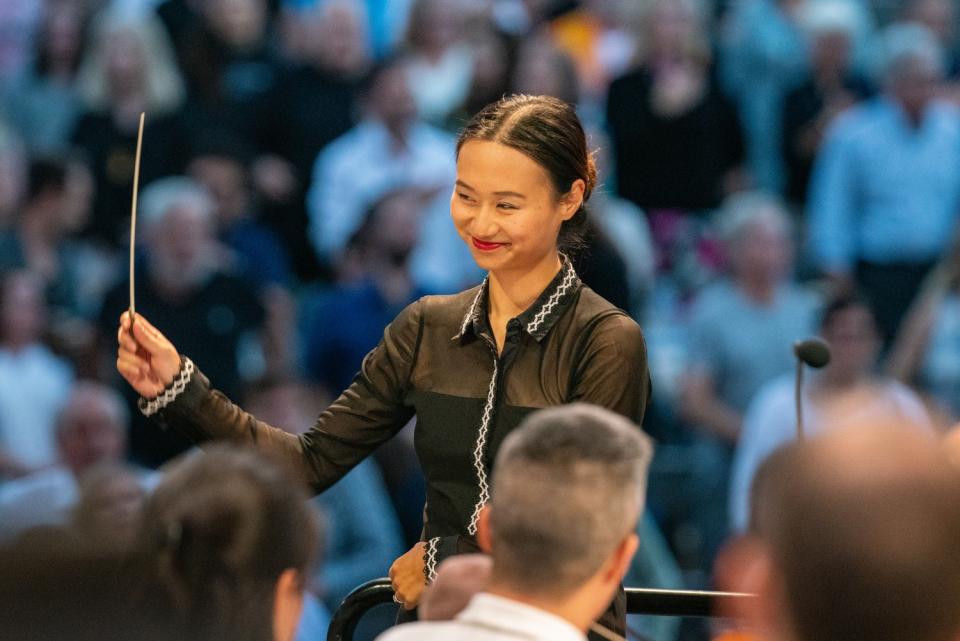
469,366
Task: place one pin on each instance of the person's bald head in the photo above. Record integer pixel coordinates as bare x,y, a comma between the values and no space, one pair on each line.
862,527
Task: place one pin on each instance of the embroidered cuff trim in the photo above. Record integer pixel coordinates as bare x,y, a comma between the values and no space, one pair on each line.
430,559
167,396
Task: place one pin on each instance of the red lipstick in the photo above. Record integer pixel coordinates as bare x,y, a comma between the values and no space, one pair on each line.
485,246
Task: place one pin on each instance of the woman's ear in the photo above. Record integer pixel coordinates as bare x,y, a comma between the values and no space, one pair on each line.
287,605
571,201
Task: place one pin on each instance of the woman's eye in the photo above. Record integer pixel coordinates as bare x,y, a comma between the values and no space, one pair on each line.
506,206
464,197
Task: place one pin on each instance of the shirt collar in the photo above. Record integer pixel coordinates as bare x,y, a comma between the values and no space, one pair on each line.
537,319
517,619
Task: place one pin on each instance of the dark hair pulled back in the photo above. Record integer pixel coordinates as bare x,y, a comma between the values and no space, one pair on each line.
547,130
216,535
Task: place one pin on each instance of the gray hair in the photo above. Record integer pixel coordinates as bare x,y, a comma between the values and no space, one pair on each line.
165,194
744,210
568,486
906,43
86,392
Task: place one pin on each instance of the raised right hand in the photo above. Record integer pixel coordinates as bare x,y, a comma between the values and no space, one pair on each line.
145,358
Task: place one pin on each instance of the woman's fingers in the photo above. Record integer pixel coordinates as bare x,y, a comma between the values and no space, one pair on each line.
147,336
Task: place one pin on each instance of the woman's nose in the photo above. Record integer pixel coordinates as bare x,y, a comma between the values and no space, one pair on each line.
485,223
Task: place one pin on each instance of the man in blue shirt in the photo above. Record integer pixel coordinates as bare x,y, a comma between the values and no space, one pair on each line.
886,186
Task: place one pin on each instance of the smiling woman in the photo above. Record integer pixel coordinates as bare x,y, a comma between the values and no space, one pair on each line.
469,366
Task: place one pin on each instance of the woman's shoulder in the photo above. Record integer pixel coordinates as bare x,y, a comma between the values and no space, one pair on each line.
442,310
598,315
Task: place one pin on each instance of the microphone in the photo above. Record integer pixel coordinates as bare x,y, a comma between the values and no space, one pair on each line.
814,352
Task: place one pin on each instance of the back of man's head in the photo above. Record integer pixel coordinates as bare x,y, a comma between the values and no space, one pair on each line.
863,527
568,486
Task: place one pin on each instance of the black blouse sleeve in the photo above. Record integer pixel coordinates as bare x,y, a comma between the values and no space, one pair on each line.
369,412
612,370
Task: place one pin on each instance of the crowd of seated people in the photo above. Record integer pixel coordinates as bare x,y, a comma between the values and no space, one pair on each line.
770,170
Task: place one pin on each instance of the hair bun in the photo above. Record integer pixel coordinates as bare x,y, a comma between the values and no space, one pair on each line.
591,178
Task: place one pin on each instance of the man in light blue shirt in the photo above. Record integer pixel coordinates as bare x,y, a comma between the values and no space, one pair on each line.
391,149
885,192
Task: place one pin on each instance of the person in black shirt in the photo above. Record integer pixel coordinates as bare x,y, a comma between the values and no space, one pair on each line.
469,366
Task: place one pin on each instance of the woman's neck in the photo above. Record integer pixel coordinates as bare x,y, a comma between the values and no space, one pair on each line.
511,293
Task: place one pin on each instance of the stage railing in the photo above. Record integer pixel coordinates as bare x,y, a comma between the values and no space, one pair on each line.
680,603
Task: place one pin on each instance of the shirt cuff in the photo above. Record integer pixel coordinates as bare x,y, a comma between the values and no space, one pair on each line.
172,391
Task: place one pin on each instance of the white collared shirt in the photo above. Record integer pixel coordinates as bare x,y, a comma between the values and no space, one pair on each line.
490,618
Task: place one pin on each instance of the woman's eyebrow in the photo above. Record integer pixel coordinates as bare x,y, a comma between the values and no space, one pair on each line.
513,194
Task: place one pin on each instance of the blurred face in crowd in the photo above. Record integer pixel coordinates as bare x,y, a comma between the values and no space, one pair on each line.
831,51
435,24
542,69
12,179
91,430
390,99
336,39
79,197
505,208
239,23
125,63
181,247
913,83
854,343
226,180
762,250
939,16
22,310
62,37
397,227
671,25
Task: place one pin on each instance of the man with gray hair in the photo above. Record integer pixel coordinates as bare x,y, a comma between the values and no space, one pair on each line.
885,190
741,330
568,488
185,282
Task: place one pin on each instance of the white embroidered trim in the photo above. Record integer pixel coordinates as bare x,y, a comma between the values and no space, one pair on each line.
154,405
555,297
430,559
473,307
480,450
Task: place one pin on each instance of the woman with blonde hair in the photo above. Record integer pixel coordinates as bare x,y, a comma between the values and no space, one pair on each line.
130,69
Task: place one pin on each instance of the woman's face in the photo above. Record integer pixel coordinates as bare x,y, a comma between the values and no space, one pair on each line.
506,209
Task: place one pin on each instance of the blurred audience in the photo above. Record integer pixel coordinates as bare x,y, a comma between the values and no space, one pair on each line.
343,323
830,88
940,17
846,392
885,193
390,149
925,351
361,532
34,383
763,54
740,334
90,433
677,139
42,103
601,38
13,174
185,281
128,69
440,66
